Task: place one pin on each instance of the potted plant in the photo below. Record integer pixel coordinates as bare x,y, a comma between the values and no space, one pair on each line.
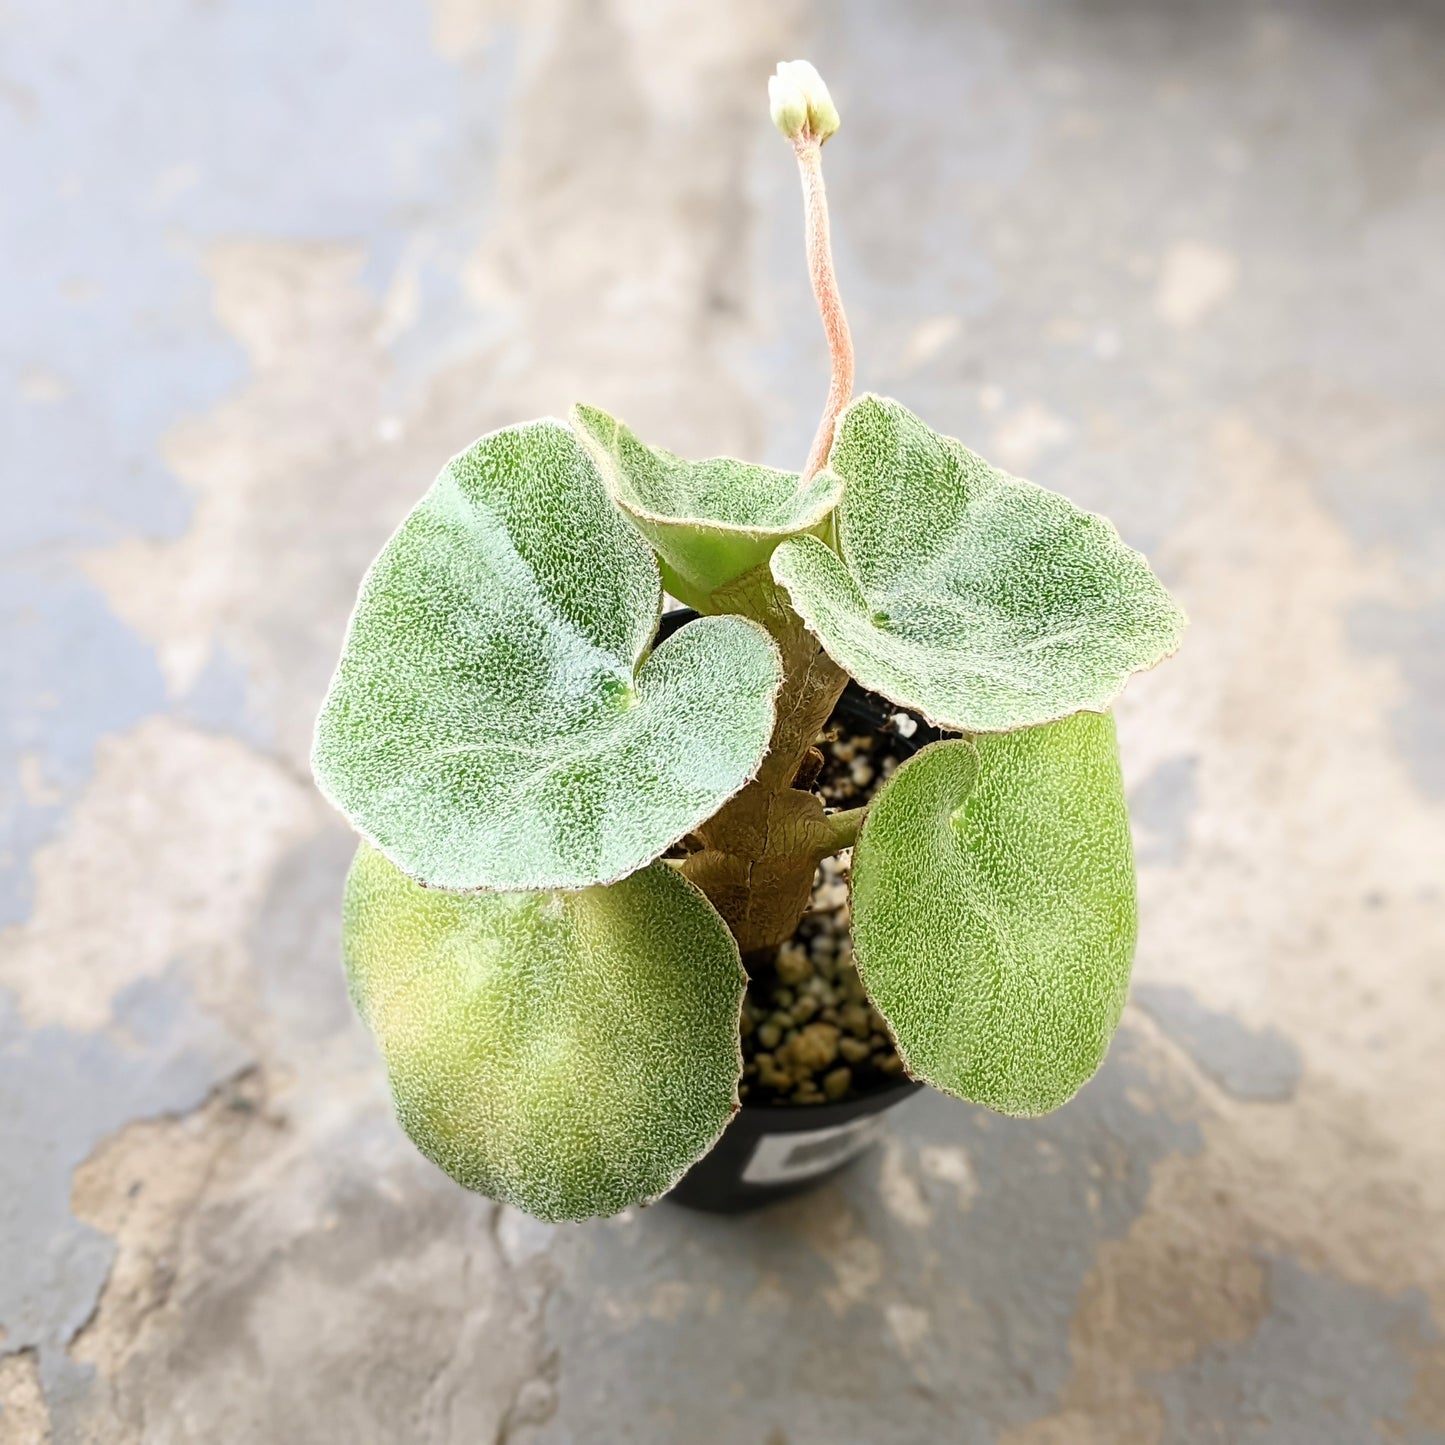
590,844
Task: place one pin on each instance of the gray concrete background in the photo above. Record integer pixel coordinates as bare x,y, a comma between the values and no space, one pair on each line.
267,264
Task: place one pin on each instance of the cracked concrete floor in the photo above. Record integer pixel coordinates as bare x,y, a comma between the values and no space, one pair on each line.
266,265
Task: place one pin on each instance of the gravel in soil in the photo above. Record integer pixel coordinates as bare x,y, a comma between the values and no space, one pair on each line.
810,1036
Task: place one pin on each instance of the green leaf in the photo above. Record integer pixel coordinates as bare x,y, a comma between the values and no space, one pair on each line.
984,602
709,522
494,722
571,1053
994,911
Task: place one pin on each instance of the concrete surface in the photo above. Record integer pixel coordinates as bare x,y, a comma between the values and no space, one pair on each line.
265,265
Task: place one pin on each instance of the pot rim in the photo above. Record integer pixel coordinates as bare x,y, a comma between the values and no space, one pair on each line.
800,1113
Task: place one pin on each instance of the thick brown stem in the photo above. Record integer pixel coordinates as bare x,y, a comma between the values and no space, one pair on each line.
830,304
759,852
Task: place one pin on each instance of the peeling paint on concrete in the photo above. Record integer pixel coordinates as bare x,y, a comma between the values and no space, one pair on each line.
24,1417
1194,278
1250,1064
811,1295
313,1253
63,1092
1159,809
1412,636
1326,1363
159,865
70,673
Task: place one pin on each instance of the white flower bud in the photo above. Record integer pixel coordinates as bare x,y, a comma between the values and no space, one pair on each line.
789,106
800,102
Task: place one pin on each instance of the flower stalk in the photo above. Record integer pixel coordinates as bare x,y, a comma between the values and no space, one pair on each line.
804,111
830,303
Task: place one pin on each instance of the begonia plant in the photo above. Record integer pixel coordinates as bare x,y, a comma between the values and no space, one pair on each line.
574,836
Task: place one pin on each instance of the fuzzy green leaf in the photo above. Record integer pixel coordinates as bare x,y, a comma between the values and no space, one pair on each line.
994,911
711,521
494,723
571,1053
984,602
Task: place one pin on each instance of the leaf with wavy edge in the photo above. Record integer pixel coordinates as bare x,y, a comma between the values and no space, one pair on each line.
994,911
571,1053
982,601
710,521
496,720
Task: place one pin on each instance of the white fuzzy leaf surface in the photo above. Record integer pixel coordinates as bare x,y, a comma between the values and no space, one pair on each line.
994,911
982,601
570,1053
496,720
710,521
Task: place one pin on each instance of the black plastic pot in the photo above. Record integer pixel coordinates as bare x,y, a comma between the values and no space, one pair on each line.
769,1151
